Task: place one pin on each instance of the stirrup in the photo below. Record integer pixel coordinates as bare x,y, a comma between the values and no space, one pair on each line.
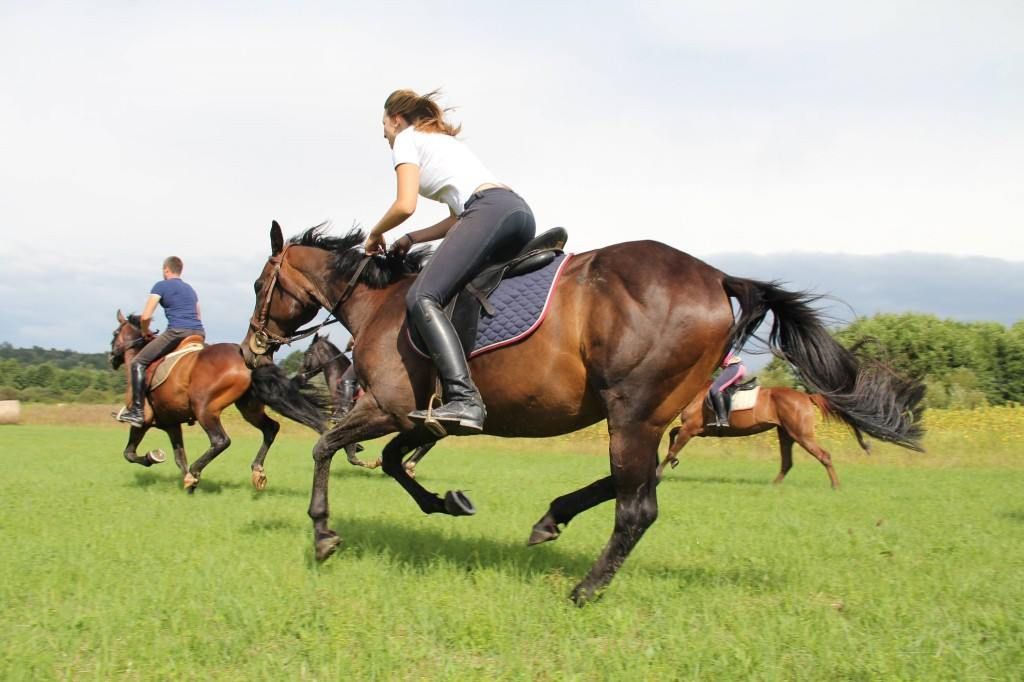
432,424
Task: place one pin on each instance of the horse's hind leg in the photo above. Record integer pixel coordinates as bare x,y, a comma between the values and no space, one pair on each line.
254,413
219,442
786,454
634,459
810,445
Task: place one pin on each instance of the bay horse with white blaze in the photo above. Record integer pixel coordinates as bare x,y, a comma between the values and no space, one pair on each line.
632,334
198,389
791,412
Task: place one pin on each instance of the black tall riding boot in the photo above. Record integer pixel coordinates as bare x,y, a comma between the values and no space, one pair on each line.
721,414
347,393
463,409
135,414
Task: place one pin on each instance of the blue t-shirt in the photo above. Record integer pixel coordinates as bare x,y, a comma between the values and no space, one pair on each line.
179,301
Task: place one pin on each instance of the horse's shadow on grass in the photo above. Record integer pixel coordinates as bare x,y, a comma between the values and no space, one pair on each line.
149,478
424,549
718,480
1016,515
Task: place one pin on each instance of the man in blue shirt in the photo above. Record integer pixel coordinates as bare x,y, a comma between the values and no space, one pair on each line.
181,306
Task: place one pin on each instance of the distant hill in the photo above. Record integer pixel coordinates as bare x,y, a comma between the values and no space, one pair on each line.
62,359
969,289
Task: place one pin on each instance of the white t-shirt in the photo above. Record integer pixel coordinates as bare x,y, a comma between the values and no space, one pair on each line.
449,172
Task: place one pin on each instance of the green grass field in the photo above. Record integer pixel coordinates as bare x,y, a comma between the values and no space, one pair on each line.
914,570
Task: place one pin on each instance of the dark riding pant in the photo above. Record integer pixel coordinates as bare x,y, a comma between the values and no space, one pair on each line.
494,226
162,345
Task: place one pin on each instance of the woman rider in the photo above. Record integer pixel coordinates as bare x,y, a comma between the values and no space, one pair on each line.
732,371
487,223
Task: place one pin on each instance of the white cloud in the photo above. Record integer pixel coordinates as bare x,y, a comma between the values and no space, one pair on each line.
140,130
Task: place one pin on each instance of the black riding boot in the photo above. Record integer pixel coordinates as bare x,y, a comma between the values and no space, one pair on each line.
721,414
462,406
347,394
135,414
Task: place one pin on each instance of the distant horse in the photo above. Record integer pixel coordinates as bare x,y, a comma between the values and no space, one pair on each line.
324,357
200,386
632,333
790,411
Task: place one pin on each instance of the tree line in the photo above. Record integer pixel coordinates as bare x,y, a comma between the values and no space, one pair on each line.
964,364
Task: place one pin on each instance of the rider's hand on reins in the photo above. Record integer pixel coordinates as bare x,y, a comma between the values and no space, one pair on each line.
375,245
401,246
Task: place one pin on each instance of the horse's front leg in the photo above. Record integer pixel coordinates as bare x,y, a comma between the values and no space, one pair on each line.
134,438
454,502
365,422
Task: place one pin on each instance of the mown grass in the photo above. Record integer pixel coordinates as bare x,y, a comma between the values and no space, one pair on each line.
912,571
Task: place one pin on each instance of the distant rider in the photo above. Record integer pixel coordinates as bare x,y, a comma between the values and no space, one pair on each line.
732,371
181,306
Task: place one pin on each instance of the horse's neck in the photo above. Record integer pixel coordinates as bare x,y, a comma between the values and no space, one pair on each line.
332,362
363,305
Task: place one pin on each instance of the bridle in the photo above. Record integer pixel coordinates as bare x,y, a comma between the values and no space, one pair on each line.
319,367
119,350
263,340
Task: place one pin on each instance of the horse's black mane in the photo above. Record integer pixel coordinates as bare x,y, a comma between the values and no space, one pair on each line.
347,249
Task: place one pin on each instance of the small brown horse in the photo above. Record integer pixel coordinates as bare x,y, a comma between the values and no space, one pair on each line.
200,386
632,334
790,411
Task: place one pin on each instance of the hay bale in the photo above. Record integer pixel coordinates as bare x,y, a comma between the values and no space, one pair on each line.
10,411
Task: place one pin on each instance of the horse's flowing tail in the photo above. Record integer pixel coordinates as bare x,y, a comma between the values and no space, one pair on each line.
304,404
871,398
829,412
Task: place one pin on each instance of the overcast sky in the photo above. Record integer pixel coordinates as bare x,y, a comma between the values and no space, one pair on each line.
138,130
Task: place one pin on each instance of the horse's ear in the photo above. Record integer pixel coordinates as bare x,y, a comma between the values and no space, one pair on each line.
276,239
120,317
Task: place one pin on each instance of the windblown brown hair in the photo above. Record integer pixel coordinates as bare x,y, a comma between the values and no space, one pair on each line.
421,111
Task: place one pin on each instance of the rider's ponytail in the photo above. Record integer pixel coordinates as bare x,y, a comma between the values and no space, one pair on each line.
421,111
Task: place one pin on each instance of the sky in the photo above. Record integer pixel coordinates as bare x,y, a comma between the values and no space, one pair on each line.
131,131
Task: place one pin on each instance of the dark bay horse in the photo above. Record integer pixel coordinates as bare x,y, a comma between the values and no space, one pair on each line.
791,412
201,385
633,333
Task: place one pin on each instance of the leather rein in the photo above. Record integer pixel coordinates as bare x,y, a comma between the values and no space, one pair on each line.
263,340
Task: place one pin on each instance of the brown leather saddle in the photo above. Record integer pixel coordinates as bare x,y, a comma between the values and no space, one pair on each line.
156,376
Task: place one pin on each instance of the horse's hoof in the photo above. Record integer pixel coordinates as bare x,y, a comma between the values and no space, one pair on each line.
457,504
674,462
581,595
259,478
326,546
157,456
410,469
191,482
543,534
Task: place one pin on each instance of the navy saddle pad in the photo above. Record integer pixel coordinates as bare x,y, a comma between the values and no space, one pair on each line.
521,303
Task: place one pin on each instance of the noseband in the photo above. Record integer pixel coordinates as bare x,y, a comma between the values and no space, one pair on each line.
263,340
